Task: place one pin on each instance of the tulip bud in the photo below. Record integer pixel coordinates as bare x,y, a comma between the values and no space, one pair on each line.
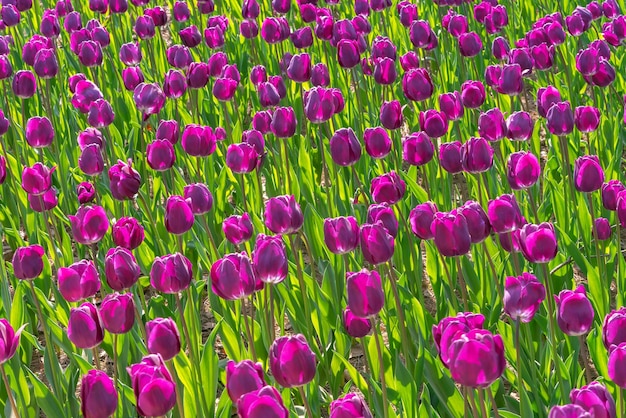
84,328
153,386
365,293
86,192
523,170
472,94
232,277
98,395
574,312
388,188
350,405
121,269
89,224
178,215
595,399
434,123
451,105
292,362
586,118
377,142
476,155
149,98
118,312
450,155
463,353
417,84
568,411
78,281
610,193
39,132
283,215
28,262
519,126
171,273
37,180
451,328
491,125
355,326
384,214
377,245
283,122
560,119
199,197
391,115
265,402
163,338
270,259
345,148
522,297
588,174
237,229
124,180
421,219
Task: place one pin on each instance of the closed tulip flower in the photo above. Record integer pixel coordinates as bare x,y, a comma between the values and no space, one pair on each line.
341,235
238,228
85,93
474,344
178,215
365,293
522,297
163,338
45,202
190,36
6,69
538,242
500,48
283,215
168,129
100,114
232,277
391,115
417,149
197,75
200,198
477,155
610,193
153,386
39,132
605,75
90,53
450,157
46,65
319,105
595,399
384,214
385,71
124,180
492,76
451,105
284,122
242,378
546,97
519,126
319,75
472,94
98,395
198,141
78,281
523,170
241,158
127,232
449,329
270,259
91,160
355,326
614,328
491,125
254,138
377,245
586,118
149,98
144,27
588,174
568,411
470,44
37,180
121,269
118,312
560,119
84,328
299,69
268,95
160,155
352,405
602,229
451,233
421,34
24,84
85,192
224,89
348,53
132,77
89,224
377,142
504,214
477,221
130,54
510,81
434,123
345,148
292,362
574,311
388,188
265,402
417,84
171,273
421,219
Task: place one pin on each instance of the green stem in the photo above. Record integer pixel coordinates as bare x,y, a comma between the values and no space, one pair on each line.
307,407
408,359
15,413
494,405
481,402
192,352
453,299
381,363
246,323
520,378
96,358
179,399
606,296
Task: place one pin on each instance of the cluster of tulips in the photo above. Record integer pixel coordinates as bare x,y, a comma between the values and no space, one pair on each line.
165,166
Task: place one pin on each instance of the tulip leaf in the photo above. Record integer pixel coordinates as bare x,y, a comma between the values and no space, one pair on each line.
46,400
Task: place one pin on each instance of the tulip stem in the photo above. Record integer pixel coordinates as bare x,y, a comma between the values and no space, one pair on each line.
303,292
459,272
494,405
494,272
179,399
14,410
553,342
584,355
115,360
192,352
481,402
620,395
246,323
210,234
520,378
533,205
400,314
49,347
472,400
619,281
453,299
287,168
518,270
242,182
606,296
381,364
309,413
151,219
96,358
368,372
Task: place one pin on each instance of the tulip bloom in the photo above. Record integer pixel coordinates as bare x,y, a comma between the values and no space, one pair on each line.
163,338
421,219
365,293
265,402
522,297
504,214
37,179
28,262
243,377
355,326
377,245
568,411
39,132
491,125
474,344
98,395
345,148
284,122
450,157
153,385
89,224
283,215
477,155
388,188
351,405
124,180
519,126
121,269
199,197
538,242
523,170
473,94
178,215
560,119
417,84
433,123
118,312
171,273
292,362
341,235
477,221
595,399
9,340
574,311
588,174
232,277
451,105
78,281
84,328
238,229
451,233
451,328
149,98
270,259
241,158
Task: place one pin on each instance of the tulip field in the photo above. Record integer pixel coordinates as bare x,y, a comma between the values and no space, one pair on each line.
312,208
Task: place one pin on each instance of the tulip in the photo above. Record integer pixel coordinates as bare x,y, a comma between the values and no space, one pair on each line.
199,198
434,123
421,219
178,215
451,233
365,293
391,115
132,77
450,155
472,94
130,54
118,312
28,262
377,245
492,76
237,229
198,141
85,94
602,229
355,326
89,224
409,61
568,411
345,148
284,122
388,188
384,214
197,75
149,98
477,221
160,155
283,215
10,15
242,378
613,330
270,259
523,170
586,118
595,399
232,277
86,192
500,48
610,193
491,125
265,402
171,273
560,119
168,129
538,242
574,311
46,65
466,348
546,97
241,158
98,395
504,214
377,142
422,35
91,160
127,232
510,81
190,36
6,69
24,84
124,180
319,75
254,138
163,338
179,56
519,126
588,174
39,132
451,328
522,297
224,89
292,362
417,84
37,179
476,155
84,328
120,269
9,340
451,105
154,388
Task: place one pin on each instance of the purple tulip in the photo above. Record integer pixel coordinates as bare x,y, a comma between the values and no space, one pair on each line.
451,234
124,180
546,97
241,158
472,94
242,378
86,192
500,48
449,329
118,312
586,118
595,399
132,77
463,352
283,215
199,197
510,81
37,180
388,188
130,54
341,235
10,15
265,402
198,141
24,84
171,273
522,297
560,119
84,328
238,228
127,232
523,170
613,328
350,406
190,36
409,61
163,338
450,157
451,105
470,44
610,193
39,132
78,281
179,217
270,259
477,155
377,245
377,142
149,98
491,125
121,269
89,224
46,65
477,221
232,277
345,148
417,149
365,293
85,94
153,385
504,214
283,122
519,126
44,202
568,411
422,35
98,395
292,362
391,115
417,84
421,219
434,123
574,312
602,229
6,69
588,174
355,326
538,242
91,160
